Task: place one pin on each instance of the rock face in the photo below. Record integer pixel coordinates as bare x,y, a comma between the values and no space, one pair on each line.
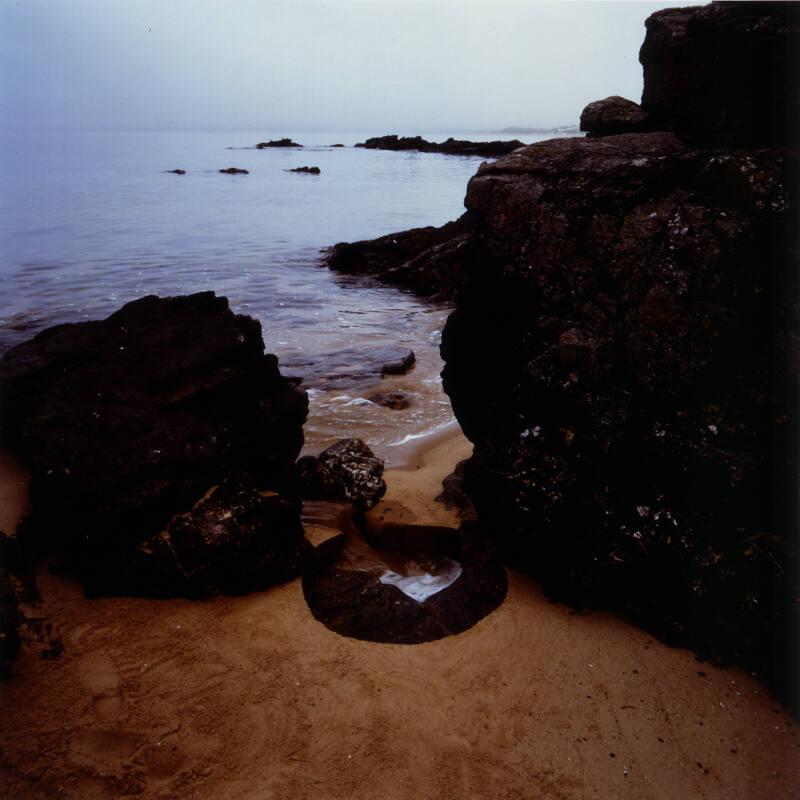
347,470
614,115
236,541
637,302
129,420
625,350
452,147
725,72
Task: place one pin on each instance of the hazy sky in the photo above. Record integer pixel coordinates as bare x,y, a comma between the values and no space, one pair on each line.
302,65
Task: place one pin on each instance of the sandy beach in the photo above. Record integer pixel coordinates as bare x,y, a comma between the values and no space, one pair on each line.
252,698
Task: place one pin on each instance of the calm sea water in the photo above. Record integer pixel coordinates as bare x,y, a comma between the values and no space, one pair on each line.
89,221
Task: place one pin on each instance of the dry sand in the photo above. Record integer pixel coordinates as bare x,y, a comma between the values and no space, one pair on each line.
252,698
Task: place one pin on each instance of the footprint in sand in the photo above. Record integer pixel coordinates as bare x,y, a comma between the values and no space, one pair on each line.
99,676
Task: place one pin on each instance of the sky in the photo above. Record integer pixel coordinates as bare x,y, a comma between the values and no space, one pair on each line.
453,65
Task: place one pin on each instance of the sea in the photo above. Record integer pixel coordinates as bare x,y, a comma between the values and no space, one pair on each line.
92,220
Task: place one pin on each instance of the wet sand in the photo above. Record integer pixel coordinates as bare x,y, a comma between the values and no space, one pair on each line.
252,698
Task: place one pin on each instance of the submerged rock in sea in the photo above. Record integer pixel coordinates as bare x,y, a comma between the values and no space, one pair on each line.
347,470
612,116
352,367
277,143
234,171
127,421
394,400
177,171
307,170
233,542
453,147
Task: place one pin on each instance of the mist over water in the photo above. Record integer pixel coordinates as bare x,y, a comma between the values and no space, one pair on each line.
93,221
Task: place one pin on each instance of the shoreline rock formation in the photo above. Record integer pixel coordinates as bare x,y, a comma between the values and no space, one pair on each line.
625,350
127,421
450,147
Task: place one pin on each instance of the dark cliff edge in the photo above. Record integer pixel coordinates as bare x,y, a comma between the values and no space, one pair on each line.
625,350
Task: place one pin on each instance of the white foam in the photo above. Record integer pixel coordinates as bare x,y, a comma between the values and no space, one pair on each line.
421,587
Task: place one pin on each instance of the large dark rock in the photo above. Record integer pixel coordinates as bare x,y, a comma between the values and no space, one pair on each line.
637,301
306,170
234,171
725,73
347,470
453,147
129,420
235,541
612,116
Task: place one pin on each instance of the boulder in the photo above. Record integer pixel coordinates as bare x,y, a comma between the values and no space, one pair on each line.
307,170
177,171
347,471
233,542
126,421
724,73
234,171
613,115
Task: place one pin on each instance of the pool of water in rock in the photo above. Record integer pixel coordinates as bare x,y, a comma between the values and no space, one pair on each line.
399,583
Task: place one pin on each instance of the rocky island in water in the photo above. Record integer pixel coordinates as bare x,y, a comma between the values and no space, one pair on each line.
190,608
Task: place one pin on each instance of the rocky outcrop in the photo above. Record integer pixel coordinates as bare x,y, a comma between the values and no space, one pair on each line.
626,346
348,471
277,143
234,171
614,115
724,73
450,147
127,421
307,170
637,302
426,260
177,171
